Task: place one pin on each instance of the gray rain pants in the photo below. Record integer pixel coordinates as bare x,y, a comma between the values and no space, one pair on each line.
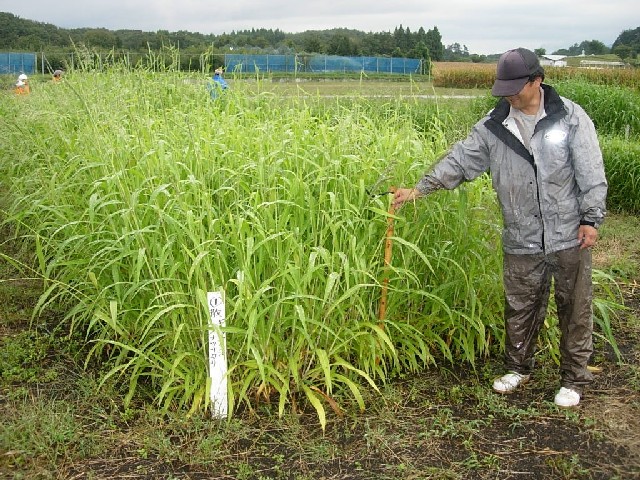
527,284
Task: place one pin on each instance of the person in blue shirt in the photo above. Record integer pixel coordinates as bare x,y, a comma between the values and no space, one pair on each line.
218,83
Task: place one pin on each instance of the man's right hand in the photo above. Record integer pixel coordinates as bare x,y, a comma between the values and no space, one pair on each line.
403,195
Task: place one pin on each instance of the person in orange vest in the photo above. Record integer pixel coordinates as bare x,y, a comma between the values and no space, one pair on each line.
57,76
22,85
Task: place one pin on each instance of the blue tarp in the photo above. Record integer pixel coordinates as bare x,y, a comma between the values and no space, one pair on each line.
17,63
320,63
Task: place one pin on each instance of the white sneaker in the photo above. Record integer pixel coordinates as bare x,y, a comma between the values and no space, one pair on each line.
509,382
567,397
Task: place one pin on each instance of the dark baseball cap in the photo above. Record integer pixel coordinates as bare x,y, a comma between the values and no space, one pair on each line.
513,72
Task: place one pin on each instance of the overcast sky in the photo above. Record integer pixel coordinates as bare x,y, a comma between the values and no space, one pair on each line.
488,26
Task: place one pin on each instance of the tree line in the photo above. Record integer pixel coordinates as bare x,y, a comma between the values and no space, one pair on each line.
626,46
28,35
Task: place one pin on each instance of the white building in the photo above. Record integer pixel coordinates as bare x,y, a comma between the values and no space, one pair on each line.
553,60
601,64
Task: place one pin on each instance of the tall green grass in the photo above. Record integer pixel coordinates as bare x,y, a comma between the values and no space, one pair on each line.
615,110
622,167
138,194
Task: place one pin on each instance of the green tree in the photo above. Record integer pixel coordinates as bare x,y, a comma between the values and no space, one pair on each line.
456,53
624,51
29,42
101,38
312,44
594,47
401,38
420,51
628,43
475,58
434,44
588,47
421,36
341,44
380,43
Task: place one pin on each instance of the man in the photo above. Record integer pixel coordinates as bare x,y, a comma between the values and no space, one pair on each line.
546,167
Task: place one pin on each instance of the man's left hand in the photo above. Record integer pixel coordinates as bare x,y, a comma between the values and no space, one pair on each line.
587,236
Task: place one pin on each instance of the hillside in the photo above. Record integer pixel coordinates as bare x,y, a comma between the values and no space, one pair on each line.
18,34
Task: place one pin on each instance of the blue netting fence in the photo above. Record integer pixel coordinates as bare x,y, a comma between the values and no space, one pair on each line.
320,64
17,63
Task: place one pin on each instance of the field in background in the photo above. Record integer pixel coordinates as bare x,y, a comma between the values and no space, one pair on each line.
462,75
416,87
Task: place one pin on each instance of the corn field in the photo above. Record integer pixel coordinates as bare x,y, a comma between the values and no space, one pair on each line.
482,75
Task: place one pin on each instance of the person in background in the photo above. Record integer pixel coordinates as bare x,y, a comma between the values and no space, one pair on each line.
22,85
57,76
218,83
546,167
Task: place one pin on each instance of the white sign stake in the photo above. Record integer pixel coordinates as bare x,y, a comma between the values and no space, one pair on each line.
217,355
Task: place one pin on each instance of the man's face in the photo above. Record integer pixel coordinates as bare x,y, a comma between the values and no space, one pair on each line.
527,100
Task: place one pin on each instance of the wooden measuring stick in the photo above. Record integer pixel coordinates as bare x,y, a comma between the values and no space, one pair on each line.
382,312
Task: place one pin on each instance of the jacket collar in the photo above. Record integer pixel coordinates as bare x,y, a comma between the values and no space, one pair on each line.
553,105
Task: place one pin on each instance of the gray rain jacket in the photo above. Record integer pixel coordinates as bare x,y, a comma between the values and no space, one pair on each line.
544,195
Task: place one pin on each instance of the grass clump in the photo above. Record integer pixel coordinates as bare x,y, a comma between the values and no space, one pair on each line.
144,194
622,167
615,110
